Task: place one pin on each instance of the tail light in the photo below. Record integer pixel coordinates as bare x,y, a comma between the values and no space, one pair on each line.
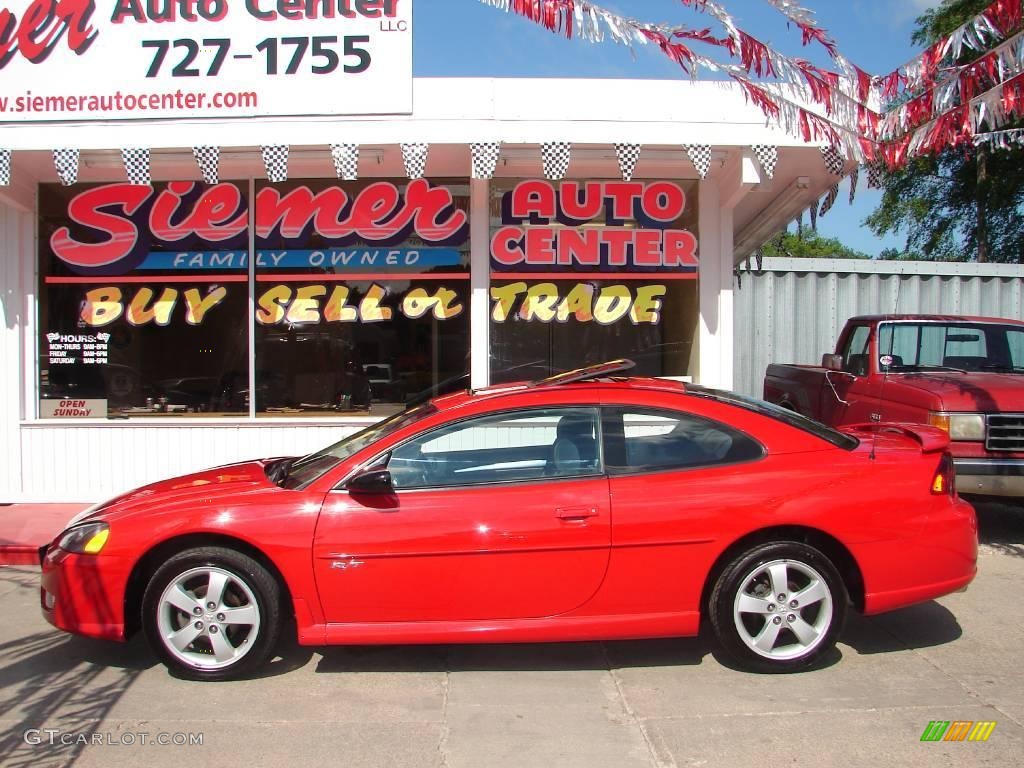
944,482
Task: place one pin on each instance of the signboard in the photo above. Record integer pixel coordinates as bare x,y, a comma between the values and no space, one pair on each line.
594,226
67,408
144,59
124,221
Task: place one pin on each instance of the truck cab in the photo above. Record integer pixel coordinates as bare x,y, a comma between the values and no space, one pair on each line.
962,374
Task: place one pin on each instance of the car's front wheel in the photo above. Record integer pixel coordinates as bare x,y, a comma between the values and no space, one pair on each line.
778,607
212,613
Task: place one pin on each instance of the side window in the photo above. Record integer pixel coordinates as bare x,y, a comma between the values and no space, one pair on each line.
855,353
1015,341
644,441
501,448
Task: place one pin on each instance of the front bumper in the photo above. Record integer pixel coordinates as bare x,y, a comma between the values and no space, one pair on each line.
990,477
84,594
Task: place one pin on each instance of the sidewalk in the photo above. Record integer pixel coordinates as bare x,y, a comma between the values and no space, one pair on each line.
24,528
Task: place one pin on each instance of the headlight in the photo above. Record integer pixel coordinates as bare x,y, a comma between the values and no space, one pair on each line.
960,426
88,539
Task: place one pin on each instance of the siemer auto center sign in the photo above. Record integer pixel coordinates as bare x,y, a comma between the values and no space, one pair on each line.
137,59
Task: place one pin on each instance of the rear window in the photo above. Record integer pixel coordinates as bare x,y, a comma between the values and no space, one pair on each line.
778,413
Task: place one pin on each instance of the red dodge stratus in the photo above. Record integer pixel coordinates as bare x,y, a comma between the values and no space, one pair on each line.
582,507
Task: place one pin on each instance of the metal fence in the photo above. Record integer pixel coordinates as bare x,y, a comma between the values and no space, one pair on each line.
792,310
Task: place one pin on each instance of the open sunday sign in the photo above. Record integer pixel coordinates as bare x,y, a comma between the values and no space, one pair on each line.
326,258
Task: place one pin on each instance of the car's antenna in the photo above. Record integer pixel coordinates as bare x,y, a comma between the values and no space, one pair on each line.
888,365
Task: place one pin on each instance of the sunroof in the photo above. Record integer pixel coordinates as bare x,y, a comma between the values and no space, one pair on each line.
589,373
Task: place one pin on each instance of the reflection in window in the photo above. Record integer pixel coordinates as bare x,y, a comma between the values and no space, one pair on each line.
366,315
641,441
530,445
154,324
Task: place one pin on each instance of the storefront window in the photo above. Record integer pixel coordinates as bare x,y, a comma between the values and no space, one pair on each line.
588,271
361,295
143,300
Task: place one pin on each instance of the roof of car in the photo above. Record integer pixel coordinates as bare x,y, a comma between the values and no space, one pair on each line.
621,383
934,319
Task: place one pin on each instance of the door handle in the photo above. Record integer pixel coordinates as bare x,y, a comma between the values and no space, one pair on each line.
575,513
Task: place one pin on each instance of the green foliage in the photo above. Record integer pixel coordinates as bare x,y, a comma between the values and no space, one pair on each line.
962,204
808,245
936,22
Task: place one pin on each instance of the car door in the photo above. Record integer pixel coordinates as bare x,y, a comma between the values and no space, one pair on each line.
678,482
848,396
501,516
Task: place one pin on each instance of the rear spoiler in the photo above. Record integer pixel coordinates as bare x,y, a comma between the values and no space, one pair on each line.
931,439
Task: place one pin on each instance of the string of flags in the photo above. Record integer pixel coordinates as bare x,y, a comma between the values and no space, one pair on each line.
555,159
969,83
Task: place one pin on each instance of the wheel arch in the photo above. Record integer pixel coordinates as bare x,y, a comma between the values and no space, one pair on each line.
156,555
828,545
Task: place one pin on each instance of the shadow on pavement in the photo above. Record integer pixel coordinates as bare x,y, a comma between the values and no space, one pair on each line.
1000,524
920,626
51,680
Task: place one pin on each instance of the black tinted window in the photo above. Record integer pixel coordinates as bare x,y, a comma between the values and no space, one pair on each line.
645,440
777,412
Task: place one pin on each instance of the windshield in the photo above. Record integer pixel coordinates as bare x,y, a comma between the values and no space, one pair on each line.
906,347
307,469
777,412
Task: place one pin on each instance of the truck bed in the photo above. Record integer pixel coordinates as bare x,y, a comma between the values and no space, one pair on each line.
797,387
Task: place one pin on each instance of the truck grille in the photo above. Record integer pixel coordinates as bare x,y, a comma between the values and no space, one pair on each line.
1005,432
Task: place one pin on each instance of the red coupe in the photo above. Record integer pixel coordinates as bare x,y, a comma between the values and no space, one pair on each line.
582,507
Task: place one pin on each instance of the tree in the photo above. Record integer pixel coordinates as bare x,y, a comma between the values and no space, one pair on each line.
808,245
962,204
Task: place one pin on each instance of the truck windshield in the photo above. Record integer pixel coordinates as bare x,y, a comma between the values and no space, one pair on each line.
908,347
777,412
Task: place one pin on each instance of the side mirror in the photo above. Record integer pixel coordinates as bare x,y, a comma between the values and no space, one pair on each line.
832,362
372,481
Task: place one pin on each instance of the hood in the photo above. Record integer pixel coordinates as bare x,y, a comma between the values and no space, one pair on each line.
984,392
198,488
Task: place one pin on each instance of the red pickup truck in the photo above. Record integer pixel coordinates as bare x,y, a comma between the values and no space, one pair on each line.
962,374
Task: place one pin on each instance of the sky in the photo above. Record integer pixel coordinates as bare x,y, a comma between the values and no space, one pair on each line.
461,38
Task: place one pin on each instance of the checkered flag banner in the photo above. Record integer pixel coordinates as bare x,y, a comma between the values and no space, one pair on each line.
66,163
208,159
814,216
346,161
768,156
830,200
485,158
799,221
629,155
414,156
5,167
555,156
854,179
875,176
136,165
834,161
700,156
275,160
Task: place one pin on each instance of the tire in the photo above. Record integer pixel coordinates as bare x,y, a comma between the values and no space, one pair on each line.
765,634
199,643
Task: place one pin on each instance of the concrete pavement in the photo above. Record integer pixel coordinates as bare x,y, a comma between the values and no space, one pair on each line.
660,703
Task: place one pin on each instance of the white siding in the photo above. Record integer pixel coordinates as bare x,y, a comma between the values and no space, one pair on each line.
16,238
93,462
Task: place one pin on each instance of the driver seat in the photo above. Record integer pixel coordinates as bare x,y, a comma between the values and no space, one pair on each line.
575,448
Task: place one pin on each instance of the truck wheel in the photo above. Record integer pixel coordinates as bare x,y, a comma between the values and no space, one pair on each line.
212,613
778,607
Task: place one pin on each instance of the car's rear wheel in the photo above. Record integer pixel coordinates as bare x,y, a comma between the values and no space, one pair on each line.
212,613
778,607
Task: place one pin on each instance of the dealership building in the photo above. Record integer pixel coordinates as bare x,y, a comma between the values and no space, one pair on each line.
251,264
